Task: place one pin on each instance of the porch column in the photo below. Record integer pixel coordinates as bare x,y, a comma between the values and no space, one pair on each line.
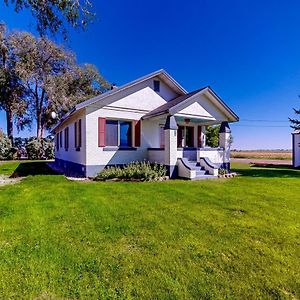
203,136
171,146
225,143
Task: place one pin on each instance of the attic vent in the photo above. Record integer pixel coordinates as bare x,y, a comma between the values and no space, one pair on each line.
156,85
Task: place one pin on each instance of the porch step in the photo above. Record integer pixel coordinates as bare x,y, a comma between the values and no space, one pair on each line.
201,173
202,177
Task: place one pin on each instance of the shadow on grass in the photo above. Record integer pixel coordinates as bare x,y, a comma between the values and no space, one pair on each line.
32,168
279,171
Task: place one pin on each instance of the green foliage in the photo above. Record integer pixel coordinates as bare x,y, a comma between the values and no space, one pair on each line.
53,15
38,77
295,123
12,91
40,148
143,171
5,146
222,171
212,136
210,239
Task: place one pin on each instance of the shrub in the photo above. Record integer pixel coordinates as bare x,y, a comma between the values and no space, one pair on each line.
143,171
40,148
34,149
5,146
223,171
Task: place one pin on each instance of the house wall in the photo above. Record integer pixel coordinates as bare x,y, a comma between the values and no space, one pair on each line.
203,108
72,159
156,156
296,150
131,107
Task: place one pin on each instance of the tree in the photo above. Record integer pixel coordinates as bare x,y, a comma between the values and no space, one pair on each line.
11,89
295,123
212,136
52,15
54,80
5,145
82,83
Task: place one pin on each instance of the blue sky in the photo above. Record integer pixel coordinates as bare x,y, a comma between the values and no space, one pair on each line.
247,51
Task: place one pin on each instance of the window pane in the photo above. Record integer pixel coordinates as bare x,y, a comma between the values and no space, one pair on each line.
125,134
156,86
111,133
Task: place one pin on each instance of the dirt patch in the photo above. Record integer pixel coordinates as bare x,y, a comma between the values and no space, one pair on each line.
4,180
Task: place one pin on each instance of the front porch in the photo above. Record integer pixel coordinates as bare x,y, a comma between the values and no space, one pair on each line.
183,121
184,151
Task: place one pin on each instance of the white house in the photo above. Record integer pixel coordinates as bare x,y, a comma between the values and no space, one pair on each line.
152,118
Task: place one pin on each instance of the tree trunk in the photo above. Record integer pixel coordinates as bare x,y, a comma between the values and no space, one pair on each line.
9,125
38,124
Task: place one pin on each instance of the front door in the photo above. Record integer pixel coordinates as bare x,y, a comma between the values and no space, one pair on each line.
185,137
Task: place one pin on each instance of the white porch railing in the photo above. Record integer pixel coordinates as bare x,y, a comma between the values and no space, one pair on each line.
215,155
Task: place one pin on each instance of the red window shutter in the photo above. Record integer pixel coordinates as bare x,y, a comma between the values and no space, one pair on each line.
101,132
79,133
137,133
199,136
57,141
75,134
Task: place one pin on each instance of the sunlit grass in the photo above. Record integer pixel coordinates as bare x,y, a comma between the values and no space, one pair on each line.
230,238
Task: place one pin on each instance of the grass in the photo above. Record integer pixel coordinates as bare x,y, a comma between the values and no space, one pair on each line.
231,238
263,154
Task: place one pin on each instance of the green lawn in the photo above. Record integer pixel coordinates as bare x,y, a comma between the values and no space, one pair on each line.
232,238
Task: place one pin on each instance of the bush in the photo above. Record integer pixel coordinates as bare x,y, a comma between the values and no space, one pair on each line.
143,171
223,171
5,146
40,148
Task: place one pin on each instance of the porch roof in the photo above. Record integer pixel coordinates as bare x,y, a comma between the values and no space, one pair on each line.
175,105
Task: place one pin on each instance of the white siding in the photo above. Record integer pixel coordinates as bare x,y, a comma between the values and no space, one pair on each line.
296,150
97,156
72,155
202,108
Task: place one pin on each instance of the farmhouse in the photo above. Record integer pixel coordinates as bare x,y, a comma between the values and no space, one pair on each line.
152,118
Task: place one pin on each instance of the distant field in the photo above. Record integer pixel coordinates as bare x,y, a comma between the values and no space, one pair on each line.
263,154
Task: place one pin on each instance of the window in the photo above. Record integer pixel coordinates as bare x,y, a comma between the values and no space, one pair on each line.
125,134
156,84
111,133
66,138
118,133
